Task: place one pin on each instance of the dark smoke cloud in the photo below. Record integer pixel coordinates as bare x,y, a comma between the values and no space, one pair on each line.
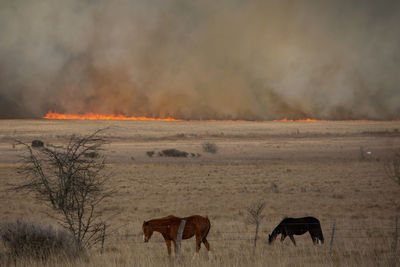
228,59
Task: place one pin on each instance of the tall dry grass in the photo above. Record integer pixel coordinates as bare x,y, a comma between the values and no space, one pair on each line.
347,252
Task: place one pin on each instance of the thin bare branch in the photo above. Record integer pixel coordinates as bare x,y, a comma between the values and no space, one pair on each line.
255,216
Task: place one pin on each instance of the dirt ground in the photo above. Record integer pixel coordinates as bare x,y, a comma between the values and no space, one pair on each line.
329,170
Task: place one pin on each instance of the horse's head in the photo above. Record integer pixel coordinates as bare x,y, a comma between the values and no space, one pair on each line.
147,231
271,238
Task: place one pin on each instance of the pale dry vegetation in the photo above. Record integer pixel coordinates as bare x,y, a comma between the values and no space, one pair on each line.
33,240
319,174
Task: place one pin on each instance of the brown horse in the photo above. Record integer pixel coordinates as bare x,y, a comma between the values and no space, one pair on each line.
168,227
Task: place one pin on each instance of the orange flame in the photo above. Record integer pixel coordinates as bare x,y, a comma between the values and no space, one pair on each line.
93,116
299,120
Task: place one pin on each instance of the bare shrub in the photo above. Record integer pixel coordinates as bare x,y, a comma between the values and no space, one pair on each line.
255,216
150,153
173,153
210,148
71,183
392,166
30,239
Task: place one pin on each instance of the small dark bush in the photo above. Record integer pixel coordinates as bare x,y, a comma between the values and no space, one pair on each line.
362,154
91,155
210,148
174,153
34,240
37,143
338,196
150,153
274,188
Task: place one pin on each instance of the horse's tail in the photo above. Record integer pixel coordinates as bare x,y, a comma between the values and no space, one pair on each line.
208,227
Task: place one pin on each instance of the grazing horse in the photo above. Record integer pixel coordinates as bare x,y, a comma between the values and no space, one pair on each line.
169,226
298,226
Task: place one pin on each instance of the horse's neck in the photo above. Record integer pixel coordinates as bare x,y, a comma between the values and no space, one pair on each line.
277,230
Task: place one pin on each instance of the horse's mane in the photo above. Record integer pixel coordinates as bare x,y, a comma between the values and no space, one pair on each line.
277,229
283,219
162,218
164,221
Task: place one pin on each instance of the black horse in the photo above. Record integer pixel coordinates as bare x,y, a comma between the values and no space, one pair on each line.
298,226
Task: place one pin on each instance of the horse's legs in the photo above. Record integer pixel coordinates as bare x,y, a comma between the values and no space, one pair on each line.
168,243
283,236
292,238
206,244
174,241
198,242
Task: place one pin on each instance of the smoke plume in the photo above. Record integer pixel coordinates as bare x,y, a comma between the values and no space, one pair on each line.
228,59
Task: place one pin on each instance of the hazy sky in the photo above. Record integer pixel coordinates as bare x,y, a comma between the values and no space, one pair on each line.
226,59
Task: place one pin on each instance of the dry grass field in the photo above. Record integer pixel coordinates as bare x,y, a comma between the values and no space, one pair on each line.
297,168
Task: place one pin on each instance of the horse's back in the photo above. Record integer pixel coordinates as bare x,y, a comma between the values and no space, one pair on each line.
310,219
194,219
198,220
301,220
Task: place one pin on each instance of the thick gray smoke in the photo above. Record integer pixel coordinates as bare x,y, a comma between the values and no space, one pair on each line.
228,59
